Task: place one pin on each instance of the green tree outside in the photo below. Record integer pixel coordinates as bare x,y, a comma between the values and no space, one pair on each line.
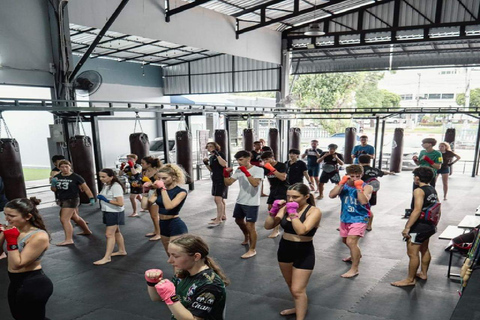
474,98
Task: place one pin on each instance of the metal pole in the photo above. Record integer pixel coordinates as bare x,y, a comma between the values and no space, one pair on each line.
166,147
377,123
97,150
227,128
475,160
381,146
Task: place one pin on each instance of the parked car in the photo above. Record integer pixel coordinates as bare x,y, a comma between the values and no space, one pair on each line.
410,149
156,150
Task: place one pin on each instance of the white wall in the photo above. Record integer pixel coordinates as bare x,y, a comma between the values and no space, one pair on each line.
197,27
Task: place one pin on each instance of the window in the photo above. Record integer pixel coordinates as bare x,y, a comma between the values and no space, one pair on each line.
448,72
434,96
406,96
450,96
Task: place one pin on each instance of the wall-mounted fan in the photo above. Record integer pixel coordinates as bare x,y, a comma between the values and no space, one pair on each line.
87,83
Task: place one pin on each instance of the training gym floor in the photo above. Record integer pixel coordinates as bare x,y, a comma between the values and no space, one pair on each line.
117,290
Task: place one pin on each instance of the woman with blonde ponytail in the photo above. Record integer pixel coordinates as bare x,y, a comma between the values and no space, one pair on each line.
198,291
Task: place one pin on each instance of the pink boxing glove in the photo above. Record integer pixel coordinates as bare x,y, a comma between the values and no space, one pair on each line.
11,236
277,205
292,208
146,187
245,171
358,184
344,180
159,184
430,161
153,276
166,291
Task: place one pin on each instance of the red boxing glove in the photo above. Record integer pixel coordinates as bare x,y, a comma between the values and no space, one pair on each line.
277,205
292,208
153,276
166,290
344,180
430,161
244,170
131,164
226,172
11,236
122,166
269,167
358,184
159,184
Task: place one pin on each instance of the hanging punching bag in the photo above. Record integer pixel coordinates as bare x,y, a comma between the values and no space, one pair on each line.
221,137
248,139
139,145
274,142
294,138
11,169
450,137
350,141
81,151
396,159
183,143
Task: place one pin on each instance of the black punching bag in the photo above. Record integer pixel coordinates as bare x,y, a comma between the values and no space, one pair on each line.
396,159
81,150
294,138
221,137
139,145
11,169
274,142
183,143
450,137
350,141
248,139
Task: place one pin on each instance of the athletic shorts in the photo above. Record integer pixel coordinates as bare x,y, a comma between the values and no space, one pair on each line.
301,254
352,229
136,190
113,218
373,199
313,171
276,196
219,189
249,213
420,232
443,170
172,227
69,203
334,177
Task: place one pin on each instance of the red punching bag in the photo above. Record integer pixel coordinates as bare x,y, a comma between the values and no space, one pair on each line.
248,139
139,145
273,142
295,136
183,143
350,140
81,151
11,169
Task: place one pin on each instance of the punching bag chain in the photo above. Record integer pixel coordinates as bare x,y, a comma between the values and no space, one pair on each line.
137,120
9,135
78,124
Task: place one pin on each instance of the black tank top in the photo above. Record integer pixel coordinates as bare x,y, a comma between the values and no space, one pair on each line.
288,227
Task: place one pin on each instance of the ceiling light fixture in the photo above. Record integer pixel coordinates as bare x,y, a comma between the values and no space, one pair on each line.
314,27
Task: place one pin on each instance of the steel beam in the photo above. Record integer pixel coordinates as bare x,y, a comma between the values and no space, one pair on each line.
169,13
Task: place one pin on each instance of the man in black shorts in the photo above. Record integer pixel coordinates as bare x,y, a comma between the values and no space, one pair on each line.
276,173
418,231
331,161
312,154
296,169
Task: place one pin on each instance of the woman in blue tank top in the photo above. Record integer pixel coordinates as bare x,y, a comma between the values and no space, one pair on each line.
170,199
26,240
299,219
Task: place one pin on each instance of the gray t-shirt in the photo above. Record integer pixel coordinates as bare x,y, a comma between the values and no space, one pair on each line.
249,195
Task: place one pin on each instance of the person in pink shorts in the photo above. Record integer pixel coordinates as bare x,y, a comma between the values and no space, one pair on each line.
354,194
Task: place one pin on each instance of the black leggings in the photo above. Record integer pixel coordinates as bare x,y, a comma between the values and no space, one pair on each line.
28,294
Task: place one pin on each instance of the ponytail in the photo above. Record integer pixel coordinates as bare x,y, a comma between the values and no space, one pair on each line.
212,264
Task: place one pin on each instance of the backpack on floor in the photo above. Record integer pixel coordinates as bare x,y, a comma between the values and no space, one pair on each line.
432,213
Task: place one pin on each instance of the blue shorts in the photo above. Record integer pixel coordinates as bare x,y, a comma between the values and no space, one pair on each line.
443,170
313,171
114,218
241,211
172,227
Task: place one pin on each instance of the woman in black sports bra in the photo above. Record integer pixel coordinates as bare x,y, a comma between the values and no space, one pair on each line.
299,219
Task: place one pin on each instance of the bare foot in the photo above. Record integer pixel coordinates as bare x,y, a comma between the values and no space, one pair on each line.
288,312
85,233
223,218
249,254
369,229
155,238
151,234
444,199
65,243
215,223
319,197
349,274
422,276
245,242
119,253
102,261
403,283
134,215
274,234
347,259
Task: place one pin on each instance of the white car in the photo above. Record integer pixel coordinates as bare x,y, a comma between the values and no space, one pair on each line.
156,150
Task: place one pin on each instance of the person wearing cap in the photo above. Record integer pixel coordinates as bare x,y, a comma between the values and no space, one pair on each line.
362,148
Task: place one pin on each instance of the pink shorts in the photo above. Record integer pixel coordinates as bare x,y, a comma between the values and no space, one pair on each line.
352,229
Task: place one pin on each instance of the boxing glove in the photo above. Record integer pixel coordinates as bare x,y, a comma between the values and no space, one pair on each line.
92,201
269,167
245,171
292,208
146,179
122,166
344,180
11,237
146,187
430,161
101,197
159,184
415,158
226,172
277,205
54,182
215,152
166,290
205,161
131,164
153,276
358,184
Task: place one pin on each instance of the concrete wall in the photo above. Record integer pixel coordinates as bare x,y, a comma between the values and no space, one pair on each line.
25,44
197,27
